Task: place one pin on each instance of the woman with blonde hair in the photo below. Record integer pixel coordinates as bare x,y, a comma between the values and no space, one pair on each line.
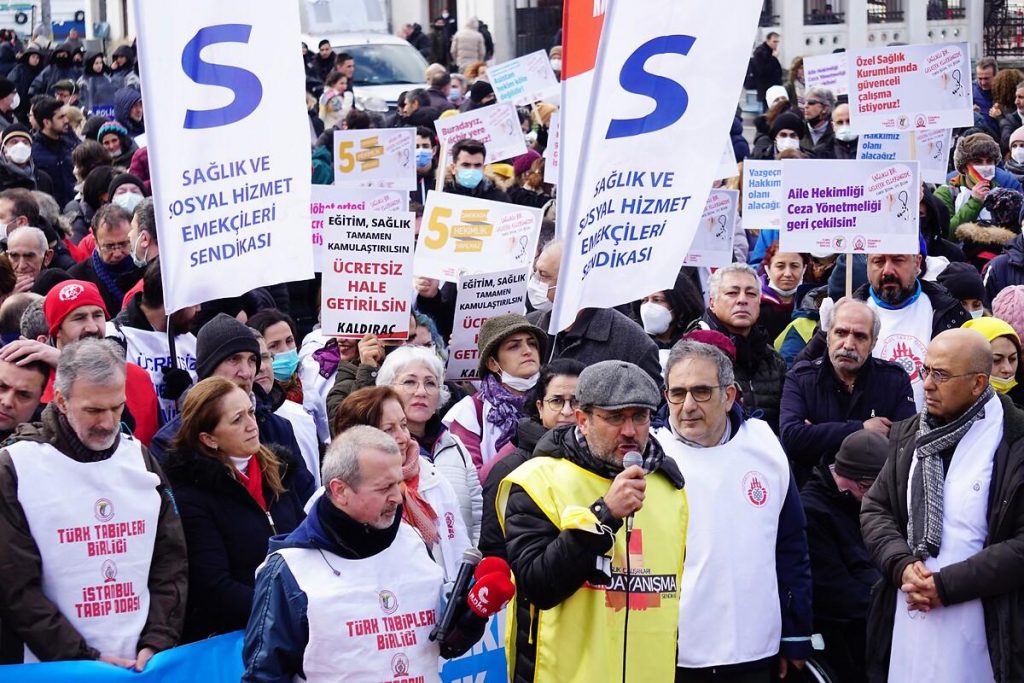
233,494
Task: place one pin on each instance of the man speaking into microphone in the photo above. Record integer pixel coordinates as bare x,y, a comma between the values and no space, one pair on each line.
580,615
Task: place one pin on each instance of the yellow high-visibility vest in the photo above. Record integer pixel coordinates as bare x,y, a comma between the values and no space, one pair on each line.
581,639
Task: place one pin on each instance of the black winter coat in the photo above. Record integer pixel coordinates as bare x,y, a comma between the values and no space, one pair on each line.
551,565
813,393
760,370
54,158
1005,270
227,533
528,433
995,574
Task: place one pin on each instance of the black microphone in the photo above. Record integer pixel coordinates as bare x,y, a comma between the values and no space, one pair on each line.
630,459
470,559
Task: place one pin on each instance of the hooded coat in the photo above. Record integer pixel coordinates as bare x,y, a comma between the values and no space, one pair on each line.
95,89
58,69
124,100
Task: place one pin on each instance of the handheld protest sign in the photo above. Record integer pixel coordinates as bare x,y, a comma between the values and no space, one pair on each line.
929,147
712,245
462,234
762,195
375,158
496,126
480,297
524,80
367,283
329,199
910,87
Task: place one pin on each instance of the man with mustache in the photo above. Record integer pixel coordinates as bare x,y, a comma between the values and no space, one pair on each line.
564,514
845,390
94,560
75,310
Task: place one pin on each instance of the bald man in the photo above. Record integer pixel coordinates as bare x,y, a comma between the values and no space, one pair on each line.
944,523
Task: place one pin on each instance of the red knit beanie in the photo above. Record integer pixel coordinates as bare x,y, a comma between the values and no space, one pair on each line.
66,297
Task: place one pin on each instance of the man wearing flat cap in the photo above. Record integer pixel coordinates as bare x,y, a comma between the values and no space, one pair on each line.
570,513
745,599
840,565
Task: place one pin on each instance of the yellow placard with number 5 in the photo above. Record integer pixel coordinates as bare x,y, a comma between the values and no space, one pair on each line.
346,160
438,236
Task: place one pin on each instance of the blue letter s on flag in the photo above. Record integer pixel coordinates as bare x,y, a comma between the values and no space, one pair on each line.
246,86
669,96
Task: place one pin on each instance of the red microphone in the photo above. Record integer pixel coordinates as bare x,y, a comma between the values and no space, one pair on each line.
489,594
492,565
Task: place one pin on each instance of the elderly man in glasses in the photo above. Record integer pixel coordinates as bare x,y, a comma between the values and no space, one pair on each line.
745,601
593,543
944,523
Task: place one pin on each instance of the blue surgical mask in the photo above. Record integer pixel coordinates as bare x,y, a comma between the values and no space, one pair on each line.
285,364
469,178
454,94
424,157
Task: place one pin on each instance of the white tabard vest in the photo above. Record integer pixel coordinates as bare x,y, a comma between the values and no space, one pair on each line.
729,599
371,621
149,350
948,643
305,435
904,338
95,526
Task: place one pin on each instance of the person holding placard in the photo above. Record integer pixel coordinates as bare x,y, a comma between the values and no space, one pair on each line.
510,349
977,174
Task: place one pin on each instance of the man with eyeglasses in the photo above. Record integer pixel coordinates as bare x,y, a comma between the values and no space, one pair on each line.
745,600
843,391
111,266
944,523
564,515
841,568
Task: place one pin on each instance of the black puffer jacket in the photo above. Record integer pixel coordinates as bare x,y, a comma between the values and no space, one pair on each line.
760,370
551,565
994,574
528,433
227,534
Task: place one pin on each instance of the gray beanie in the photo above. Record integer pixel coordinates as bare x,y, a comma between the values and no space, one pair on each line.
220,338
497,329
616,384
862,455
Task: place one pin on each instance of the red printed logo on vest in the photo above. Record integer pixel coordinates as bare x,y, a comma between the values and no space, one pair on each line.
104,510
109,570
449,520
906,351
388,602
70,292
400,665
755,489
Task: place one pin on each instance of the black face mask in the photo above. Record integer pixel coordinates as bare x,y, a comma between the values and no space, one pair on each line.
62,60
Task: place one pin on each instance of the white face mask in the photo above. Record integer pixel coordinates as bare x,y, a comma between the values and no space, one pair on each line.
518,383
845,134
19,152
556,65
1017,153
128,200
16,102
978,313
782,144
986,171
656,318
537,293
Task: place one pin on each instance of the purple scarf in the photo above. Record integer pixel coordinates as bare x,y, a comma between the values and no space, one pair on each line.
506,409
328,358
108,274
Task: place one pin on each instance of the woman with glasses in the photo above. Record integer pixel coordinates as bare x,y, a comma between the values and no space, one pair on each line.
429,503
552,403
233,494
417,376
509,354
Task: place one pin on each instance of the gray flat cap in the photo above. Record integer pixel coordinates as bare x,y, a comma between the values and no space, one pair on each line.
616,384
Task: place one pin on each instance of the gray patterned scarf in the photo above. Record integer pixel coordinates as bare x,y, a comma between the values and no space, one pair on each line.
924,528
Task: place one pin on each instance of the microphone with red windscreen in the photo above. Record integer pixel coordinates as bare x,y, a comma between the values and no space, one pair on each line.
489,594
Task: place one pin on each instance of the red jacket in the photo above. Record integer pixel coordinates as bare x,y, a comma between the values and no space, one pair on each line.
140,399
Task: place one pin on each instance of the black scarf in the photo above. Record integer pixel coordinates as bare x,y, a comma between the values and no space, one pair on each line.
354,540
79,451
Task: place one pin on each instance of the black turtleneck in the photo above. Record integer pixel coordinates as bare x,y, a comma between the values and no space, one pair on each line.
351,539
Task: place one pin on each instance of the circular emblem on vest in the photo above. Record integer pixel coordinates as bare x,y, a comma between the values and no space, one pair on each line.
70,292
109,570
755,489
104,510
400,664
388,602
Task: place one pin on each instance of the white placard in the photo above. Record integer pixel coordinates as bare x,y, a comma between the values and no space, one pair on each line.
931,150
228,146
328,198
496,125
481,297
462,234
524,80
553,151
712,245
910,87
850,206
367,274
762,195
827,71
375,158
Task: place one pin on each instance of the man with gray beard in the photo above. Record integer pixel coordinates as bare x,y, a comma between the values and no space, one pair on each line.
845,390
